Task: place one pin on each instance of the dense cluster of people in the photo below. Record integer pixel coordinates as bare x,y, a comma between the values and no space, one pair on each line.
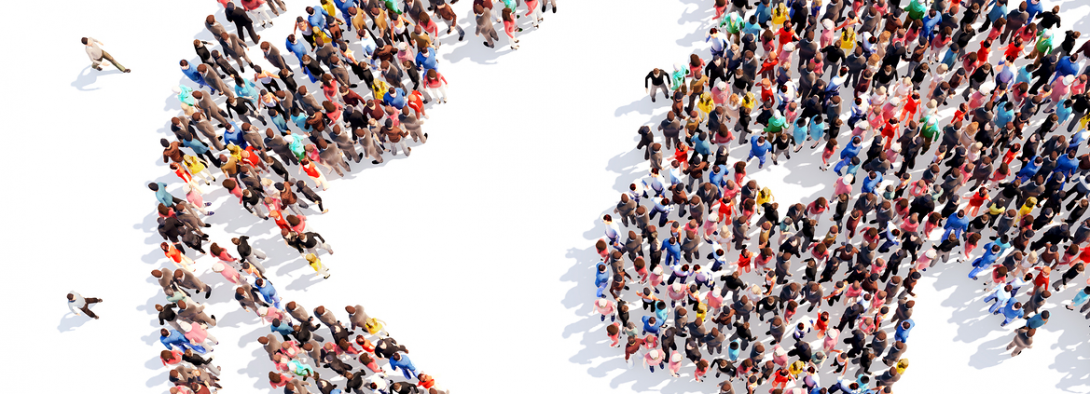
687,256
362,55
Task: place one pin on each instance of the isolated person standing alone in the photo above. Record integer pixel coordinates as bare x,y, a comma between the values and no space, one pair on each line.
77,303
97,54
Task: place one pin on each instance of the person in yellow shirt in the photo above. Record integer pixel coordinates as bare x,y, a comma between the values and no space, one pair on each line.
902,365
198,168
379,88
779,16
705,103
1027,208
316,263
847,40
765,195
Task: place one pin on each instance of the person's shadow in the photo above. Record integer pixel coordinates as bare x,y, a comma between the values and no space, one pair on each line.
70,322
88,76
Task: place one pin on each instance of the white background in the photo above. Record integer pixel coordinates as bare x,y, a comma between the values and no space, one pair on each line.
478,251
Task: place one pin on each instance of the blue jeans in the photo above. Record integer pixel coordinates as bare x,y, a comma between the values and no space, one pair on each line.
672,258
1007,320
409,374
976,271
761,159
957,233
602,288
840,164
997,306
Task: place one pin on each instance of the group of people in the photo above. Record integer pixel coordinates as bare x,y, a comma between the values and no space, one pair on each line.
362,55
999,185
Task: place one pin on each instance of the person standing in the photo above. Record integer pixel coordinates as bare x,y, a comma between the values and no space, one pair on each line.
97,55
77,304
484,25
1023,339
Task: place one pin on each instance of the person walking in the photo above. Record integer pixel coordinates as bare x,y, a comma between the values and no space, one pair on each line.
97,54
77,303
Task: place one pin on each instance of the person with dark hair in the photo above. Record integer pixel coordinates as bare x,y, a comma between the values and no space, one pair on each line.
77,303
97,55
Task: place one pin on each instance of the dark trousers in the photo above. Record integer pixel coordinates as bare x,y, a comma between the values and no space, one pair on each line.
87,307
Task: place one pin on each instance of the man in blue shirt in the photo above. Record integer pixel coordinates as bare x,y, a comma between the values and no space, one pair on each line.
401,360
759,148
848,153
956,223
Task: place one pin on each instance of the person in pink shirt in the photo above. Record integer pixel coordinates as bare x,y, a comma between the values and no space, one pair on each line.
1061,87
509,27
656,278
614,332
270,313
714,300
606,307
196,200
651,341
676,292
221,253
843,185
534,12
170,357
196,333
278,380
653,358
675,364
436,84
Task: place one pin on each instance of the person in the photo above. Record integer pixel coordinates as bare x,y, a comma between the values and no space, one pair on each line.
77,303
97,54
484,25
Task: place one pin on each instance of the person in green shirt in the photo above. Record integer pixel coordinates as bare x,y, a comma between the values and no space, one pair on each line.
916,11
677,78
930,132
775,124
1043,46
733,24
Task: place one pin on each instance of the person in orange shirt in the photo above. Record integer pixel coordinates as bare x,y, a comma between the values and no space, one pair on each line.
307,166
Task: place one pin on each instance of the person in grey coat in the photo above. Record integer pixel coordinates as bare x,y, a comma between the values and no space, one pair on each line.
345,143
201,124
484,25
411,123
714,341
194,313
272,55
626,209
369,142
357,317
326,316
1023,339
213,79
279,146
777,330
235,48
333,156
186,279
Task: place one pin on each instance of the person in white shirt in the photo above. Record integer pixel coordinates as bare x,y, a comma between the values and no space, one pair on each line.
78,304
97,54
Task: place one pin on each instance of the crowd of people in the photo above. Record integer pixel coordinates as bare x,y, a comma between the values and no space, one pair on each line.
375,64
999,185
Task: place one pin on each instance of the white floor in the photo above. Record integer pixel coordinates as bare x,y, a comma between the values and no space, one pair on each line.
477,251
